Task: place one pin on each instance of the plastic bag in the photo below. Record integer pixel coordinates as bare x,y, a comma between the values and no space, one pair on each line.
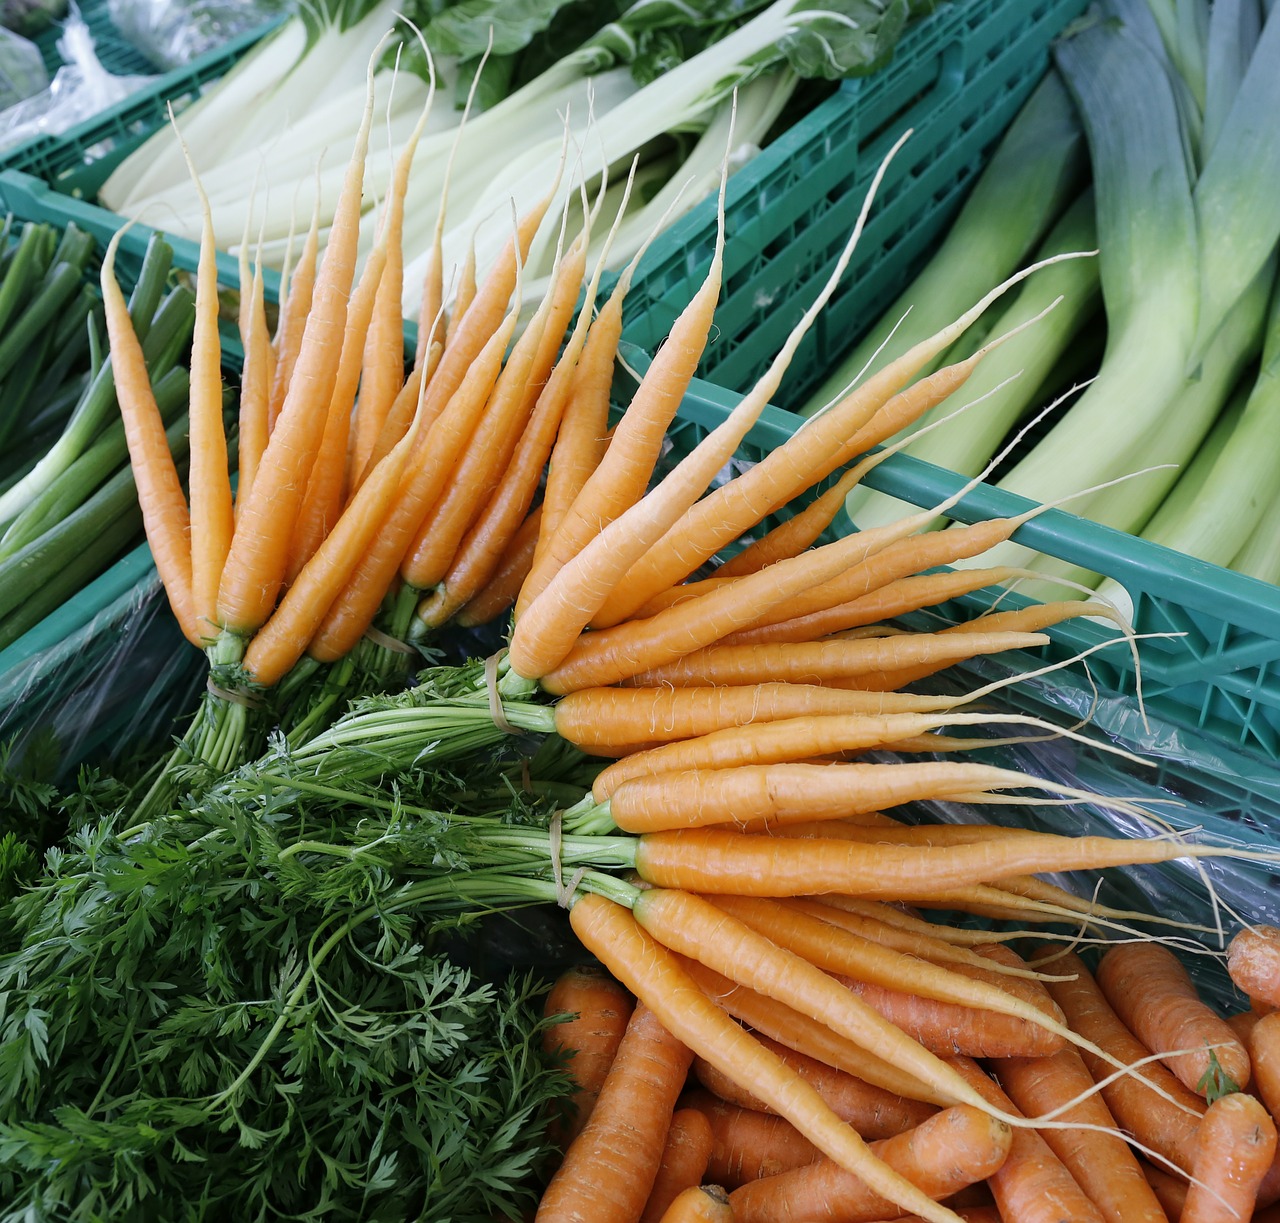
81,88
171,33
22,70
31,17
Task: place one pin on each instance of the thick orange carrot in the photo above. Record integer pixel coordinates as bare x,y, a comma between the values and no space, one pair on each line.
1234,1151
654,975
610,1167
1264,1056
498,593
684,1162
1170,1190
1149,989
748,1144
1168,1130
600,1009
872,1111
700,1204
1032,1185
1102,1164
1253,960
953,1149
1242,1024
256,562
164,506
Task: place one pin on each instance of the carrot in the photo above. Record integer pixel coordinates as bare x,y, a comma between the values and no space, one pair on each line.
684,1162
700,1204
209,482
165,517
804,662
1150,990
1234,1151
872,1111
255,565
1163,1127
600,1009
748,1144
639,961
944,1153
498,594
970,1214
1102,1164
1242,1024
295,308
795,793
465,293
1170,1190
808,456
1264,1057
1253,960
609,1168
775,1023
1032,1185
255,384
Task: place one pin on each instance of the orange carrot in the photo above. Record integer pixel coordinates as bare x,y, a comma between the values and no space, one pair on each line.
748,1144
295,308
683,1165
946,1152
872,1111
600,1009
1253,960
1234,1151
1170,1190
700,1204
255,383
1150,990
1163,1127
1264,1057
164,506
1103,1164
609,1168
639,961
498,594
1032,1185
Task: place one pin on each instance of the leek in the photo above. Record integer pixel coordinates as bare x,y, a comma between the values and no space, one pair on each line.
1260,556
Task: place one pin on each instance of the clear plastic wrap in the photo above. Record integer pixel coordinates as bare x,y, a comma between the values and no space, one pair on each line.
22,70
80,89
171,33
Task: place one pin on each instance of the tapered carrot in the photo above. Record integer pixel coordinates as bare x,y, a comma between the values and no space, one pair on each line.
464,295
872,1111
775,1023
209,480
165,516
804,662
953,1149
600,1009
1167,1129
1234,1151
255,383
609,1168
700,1204
639,961
1253,960
1263,1043
684,1162
1149,989
255,565
295,308
811,454
749,1143
1102,1164
498,594
1032,1185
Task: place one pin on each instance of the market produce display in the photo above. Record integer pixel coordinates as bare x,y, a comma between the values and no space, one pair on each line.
569,829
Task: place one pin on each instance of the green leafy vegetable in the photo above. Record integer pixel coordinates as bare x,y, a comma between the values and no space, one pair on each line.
1216,1082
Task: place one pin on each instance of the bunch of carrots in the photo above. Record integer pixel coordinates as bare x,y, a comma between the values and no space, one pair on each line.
371,500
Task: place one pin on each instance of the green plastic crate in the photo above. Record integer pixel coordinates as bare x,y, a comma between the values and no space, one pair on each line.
79,160
957,79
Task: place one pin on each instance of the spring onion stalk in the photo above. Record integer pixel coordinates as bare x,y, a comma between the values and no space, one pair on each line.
1031,177
1008,380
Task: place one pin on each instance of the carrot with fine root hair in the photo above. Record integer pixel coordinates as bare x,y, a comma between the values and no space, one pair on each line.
1150,990
1235,1148
872,1111
609,1168
498,594
546,630
683,1164
255,382
165,516
655,975
295,307
464,295
255,565
949,1151
1253,962
599,1010
700,1204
